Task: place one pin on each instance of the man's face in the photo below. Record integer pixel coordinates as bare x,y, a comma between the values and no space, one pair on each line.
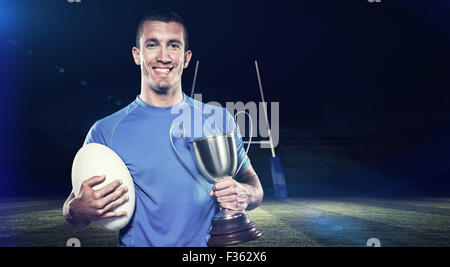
161,55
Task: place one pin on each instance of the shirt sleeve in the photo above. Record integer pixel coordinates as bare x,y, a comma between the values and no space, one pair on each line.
95,135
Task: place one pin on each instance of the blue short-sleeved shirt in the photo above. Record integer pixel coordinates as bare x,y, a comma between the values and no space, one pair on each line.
173,207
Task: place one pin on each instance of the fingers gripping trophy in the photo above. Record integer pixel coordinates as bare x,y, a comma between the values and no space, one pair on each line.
215,157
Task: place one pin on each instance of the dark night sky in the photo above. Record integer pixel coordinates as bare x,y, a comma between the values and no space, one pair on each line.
341,70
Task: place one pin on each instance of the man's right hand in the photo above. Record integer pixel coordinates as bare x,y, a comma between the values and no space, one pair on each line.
92,204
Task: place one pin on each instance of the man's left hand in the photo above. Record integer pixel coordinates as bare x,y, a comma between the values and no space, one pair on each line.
230,194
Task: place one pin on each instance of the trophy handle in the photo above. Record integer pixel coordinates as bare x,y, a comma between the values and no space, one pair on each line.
249,140
178,154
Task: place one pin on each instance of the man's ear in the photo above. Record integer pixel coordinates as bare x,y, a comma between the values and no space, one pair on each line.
135,52
187,58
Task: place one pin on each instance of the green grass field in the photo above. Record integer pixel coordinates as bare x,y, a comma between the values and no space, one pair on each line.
291,222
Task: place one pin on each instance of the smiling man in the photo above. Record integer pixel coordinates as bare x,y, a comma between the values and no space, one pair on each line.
161,51
173,208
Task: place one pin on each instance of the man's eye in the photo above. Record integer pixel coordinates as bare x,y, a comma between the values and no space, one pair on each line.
151,45
175,46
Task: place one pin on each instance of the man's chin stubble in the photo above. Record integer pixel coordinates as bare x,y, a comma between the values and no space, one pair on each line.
160,89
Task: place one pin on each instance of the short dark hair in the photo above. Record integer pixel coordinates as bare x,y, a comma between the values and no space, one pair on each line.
163,16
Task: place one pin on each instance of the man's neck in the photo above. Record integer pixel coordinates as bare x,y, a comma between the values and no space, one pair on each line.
167,99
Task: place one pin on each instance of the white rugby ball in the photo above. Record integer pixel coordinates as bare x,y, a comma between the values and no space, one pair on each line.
95,160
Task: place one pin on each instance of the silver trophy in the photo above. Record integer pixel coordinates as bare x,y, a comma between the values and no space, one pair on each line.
215,157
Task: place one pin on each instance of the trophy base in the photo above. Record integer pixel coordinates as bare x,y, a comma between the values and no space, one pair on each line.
232,230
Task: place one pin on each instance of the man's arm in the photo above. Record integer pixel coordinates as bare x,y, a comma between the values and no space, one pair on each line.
69,217
79,210
249,179
242,193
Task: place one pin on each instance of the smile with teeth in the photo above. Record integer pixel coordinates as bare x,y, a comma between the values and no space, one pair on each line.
162,70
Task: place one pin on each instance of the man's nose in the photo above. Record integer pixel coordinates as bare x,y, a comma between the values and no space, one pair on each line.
163,55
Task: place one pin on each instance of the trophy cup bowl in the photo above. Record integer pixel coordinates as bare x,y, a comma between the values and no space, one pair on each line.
215,157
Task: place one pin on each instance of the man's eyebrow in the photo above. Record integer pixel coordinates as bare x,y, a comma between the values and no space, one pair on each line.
151,40
174,41
156,40
171,41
